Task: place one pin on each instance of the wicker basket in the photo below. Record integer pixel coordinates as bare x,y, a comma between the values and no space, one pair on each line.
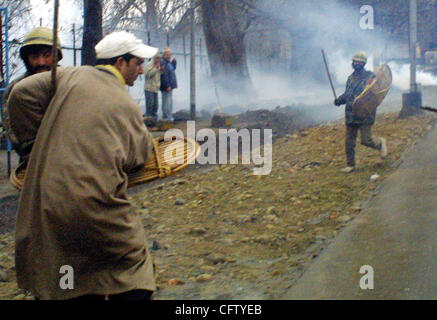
168,158
17,176
366,103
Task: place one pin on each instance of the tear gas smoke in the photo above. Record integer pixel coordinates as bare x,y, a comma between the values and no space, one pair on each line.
401,76
310,25
299,81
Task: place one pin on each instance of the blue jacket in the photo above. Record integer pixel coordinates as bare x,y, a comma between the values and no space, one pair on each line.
168,76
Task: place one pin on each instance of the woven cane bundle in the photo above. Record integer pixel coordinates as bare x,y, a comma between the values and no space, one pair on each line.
168,158
366,103
17,176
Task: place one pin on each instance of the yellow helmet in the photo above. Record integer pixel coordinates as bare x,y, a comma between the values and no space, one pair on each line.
360,56
39,36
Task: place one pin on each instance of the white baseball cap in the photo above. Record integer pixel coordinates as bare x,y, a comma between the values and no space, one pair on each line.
122,42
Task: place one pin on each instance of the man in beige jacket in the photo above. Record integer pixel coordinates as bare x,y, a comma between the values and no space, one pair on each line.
152,74
77,235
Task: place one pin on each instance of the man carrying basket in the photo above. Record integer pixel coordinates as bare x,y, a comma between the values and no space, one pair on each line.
77,235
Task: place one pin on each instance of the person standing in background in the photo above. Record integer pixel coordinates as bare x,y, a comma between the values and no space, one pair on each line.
152,73
168,83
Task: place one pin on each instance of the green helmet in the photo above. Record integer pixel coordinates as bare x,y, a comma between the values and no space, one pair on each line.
360,56
39,36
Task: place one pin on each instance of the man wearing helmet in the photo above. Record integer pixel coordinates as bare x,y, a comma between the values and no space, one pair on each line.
356,83
36,53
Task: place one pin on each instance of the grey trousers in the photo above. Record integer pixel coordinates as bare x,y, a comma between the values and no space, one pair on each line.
366,140
167,104
151,104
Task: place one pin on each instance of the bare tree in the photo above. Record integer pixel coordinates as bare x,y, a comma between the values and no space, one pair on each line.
92,30
225,24
154,15
17,11
152,18
116,11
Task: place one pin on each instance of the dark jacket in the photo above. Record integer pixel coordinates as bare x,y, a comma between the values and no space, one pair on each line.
168,76
356,83
23,149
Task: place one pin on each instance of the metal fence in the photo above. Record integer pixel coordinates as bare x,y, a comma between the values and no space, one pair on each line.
4,67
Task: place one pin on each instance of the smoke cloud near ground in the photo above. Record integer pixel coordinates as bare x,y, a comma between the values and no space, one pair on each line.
400,72
312,25
401,76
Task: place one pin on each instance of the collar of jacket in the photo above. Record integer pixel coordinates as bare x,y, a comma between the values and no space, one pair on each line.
114,71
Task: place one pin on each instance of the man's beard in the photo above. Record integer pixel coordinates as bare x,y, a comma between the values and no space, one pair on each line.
40,69
37,69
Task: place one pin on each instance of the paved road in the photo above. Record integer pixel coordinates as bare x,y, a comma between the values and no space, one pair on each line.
396,235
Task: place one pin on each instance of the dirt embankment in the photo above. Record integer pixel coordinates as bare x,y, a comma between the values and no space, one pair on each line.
221,232
282,121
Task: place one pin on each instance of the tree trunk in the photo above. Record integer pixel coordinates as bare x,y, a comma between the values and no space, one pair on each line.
92,30
224,39
152,21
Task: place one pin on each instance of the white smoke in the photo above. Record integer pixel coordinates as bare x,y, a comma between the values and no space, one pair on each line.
340,66
401,76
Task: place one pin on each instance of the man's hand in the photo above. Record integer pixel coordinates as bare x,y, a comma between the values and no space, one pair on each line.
337,103
169,89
